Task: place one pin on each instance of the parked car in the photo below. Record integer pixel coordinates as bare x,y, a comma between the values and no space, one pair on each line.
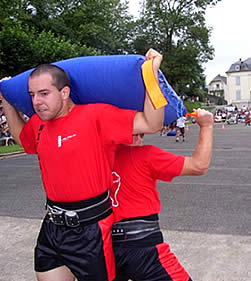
230,108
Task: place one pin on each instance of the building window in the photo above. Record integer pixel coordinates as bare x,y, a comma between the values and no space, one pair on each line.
238,95
237,80
217,86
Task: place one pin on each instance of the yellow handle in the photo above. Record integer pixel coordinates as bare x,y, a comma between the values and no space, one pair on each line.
152,85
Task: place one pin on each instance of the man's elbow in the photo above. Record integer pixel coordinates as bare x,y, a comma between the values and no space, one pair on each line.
201,170
154,128
195,167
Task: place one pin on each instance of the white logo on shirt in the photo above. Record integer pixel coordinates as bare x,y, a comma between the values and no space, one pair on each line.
115,202
61,140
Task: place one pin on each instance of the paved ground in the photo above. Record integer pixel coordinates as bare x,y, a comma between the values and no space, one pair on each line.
207,221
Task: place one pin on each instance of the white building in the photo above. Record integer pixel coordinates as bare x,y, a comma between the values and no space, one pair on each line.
239,83
235,88
217,89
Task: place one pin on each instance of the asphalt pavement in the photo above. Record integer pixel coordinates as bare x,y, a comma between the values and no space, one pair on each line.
206,220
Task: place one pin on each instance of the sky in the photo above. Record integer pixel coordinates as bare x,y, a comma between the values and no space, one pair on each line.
231,35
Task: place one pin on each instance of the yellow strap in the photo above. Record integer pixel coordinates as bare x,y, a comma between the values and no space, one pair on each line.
152,85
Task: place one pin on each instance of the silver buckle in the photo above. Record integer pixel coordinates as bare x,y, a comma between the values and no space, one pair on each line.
71,219
55,215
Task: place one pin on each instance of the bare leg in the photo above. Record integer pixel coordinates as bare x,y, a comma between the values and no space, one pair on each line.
61,273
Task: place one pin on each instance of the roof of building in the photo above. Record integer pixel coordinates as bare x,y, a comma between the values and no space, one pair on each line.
219,78
240,66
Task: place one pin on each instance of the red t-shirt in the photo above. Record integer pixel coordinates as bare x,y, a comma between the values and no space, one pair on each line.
136,171
76,151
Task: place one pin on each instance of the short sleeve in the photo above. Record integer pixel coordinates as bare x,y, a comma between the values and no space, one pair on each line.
28,135
165,165
116,124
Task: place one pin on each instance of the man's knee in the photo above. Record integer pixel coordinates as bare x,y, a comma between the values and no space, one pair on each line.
61,273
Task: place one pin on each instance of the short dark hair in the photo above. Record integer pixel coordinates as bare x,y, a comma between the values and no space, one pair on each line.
59,76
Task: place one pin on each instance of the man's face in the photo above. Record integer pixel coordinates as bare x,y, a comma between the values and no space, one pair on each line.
47,100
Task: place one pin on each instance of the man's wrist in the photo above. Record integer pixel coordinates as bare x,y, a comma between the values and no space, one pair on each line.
209,126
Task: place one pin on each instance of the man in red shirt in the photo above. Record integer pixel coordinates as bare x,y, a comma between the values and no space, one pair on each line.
75,145
140,252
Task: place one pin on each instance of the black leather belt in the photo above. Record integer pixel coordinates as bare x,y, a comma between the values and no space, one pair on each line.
91,213
133,230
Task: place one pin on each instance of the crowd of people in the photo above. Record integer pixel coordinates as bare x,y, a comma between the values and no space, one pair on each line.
5,136
102,207
235,116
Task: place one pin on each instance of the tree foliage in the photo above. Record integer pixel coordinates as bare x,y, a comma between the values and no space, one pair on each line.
98,24
35,31
178,29
22,47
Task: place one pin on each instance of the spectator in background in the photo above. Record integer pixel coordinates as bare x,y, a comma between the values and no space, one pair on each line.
180,128
247,119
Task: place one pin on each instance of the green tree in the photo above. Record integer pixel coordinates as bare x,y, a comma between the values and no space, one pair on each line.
102,25
177,28
98,24
27,37
22,48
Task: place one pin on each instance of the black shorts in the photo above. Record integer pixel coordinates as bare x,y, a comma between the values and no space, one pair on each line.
151,263
182,130
86,250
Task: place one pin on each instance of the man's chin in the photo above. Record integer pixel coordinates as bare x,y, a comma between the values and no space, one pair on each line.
43,116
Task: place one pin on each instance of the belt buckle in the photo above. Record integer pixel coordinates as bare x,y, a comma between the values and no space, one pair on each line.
55,216
71,219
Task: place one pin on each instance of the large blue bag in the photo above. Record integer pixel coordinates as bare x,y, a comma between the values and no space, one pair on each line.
115,79
175,107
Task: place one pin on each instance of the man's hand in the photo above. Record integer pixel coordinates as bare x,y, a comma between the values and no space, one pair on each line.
204,118
157,59
5,78
14,119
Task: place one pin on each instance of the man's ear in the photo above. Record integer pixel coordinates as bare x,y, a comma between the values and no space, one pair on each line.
66,92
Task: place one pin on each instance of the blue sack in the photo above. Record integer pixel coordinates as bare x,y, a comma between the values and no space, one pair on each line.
115,79
175,107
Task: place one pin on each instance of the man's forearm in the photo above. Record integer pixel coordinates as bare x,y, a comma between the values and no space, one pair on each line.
203,151
154,117
200,160
151,119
